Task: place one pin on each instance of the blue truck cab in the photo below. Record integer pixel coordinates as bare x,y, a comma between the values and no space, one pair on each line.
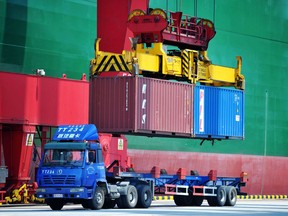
72,168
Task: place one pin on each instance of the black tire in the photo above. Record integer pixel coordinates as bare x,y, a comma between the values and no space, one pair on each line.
108,204
221,196
97,201
55,204
197,200
130,200
231,194
85,204
178,200
119,202
220,199
144,196
187,200
211,201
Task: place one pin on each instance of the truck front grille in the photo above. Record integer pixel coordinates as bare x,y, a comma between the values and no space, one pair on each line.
59,179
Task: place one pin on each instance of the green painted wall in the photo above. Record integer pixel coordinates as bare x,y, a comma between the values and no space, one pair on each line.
55,35
58,35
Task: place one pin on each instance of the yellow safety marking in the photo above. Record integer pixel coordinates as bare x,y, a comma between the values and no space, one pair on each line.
239,197
112,63
185,63
163,198
262,196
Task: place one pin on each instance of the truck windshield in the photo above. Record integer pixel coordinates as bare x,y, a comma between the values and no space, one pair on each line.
64,157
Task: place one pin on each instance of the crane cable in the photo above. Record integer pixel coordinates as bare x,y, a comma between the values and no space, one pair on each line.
179,5
195,8
214,11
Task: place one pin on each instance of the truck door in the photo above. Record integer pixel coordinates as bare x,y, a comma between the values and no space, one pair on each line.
95,170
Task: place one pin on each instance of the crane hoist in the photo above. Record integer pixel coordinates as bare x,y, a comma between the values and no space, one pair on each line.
151,54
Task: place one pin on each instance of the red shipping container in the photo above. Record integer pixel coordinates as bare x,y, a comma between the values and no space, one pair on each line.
141,105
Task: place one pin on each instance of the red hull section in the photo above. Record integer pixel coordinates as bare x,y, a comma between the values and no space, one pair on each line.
37,100
264,178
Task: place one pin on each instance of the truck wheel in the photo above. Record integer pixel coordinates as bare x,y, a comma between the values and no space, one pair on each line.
178,200
108,204
231,194
221,196
129,200
55,204
97,201
85,204
144,196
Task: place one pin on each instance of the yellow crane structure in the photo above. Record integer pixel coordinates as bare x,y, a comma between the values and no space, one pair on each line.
151,56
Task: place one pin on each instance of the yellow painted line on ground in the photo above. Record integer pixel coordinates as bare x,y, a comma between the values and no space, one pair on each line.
163,197
253,197
262,197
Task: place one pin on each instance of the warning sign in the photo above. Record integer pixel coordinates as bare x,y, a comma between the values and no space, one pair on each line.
29,139
120,144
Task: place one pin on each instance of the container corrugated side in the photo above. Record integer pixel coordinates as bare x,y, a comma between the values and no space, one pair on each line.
164,107
112,104
231,113
218,112
141,105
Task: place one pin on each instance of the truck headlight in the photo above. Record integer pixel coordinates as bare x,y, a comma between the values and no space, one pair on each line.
40,190
76,190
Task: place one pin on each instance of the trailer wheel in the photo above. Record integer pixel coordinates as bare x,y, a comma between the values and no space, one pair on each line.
211,201
144,196
179,200
108,204
55,204
97,201
231,194
220,199
221,196
129,200
190,200
197,200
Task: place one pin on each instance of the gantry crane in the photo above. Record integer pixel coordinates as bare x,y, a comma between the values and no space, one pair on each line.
169,45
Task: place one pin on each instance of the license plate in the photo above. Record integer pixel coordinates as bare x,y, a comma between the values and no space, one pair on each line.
57,195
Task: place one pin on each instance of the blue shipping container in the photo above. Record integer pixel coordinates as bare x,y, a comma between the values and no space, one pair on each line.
218,113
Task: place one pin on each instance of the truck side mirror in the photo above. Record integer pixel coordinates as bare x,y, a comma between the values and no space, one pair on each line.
91,156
